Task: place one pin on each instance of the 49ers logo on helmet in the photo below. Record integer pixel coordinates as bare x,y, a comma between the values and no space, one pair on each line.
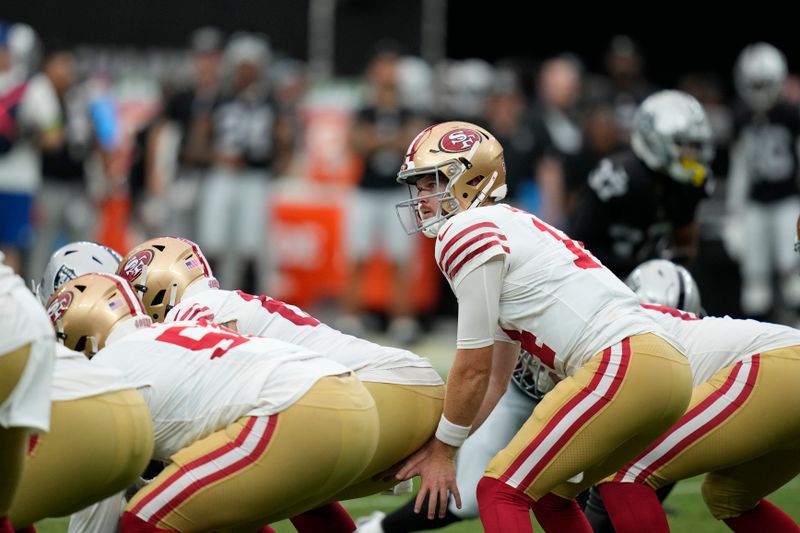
134,266
59,306
459,140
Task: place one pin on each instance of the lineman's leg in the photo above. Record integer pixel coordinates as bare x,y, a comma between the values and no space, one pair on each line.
756,264
12,439
784,219
576,430
96,447
408,417
716,432
508,416
736,494
252,472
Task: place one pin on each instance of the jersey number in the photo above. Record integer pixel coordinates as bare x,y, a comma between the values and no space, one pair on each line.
298,318
584,259
187,337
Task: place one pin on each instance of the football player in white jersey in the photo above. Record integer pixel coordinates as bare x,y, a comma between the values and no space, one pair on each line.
255,421
26,366
175,283
521,281
742,427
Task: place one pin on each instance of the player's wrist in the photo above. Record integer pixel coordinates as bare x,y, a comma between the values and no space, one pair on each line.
451,434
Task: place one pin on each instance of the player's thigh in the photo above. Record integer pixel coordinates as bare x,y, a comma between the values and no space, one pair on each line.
96,447
12,366
732,491
408,417
632,390
266,464
738,415
23,322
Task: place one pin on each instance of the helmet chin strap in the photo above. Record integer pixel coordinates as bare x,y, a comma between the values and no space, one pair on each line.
93,342
173,295
60,335
481,196
141,287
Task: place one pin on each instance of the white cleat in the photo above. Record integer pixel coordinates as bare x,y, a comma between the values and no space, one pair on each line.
371,523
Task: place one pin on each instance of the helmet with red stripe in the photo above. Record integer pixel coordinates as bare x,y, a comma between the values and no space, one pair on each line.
85,311
468,170
161,270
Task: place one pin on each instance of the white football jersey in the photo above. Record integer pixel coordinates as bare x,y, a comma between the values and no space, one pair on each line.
557,299
23,321
263,316
74,377
712,343
8,278
197,377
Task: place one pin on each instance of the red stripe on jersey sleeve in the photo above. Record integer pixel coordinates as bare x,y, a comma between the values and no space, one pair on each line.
477,238
473,253
455,238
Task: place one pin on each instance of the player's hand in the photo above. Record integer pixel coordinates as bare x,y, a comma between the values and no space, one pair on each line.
435,464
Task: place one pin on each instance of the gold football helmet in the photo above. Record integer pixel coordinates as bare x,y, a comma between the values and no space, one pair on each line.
85,310
161,269
464,156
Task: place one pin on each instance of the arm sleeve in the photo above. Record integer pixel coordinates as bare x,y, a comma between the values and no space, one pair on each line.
478,294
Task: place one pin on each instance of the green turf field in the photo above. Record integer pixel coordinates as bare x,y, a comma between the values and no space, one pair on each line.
687,510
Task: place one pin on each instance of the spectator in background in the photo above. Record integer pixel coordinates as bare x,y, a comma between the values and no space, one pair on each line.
63,209
383,129
233,201
556,119
763,197
625,86
508,116
185,130
30,122
641,203
290,82
601,139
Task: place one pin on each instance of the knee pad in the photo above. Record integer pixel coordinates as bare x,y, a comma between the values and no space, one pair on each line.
727,498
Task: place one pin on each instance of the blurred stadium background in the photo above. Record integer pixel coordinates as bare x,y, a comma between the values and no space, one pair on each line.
136,158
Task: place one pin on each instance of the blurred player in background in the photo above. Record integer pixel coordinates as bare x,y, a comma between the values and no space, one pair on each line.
237,189
185,129
382,129
763,194
31,123
641,203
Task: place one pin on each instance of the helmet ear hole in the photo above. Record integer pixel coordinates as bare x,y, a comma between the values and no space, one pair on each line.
81,344
159,297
